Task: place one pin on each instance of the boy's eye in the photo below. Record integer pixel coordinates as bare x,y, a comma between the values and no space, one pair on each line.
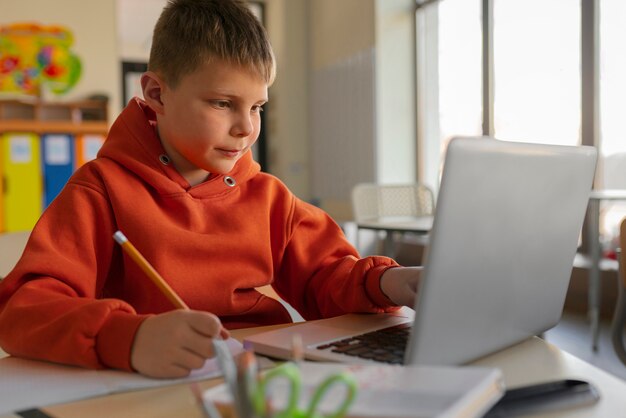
257,108
221,104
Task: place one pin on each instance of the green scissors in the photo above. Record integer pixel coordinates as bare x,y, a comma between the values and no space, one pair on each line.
291,373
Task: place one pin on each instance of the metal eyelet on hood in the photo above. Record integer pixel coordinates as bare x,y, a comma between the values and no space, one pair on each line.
230,182
165,160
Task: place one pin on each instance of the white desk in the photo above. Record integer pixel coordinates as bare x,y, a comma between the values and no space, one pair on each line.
535,360
593,226
531,361
391,224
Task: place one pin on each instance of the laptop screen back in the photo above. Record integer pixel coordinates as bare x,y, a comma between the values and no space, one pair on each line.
506,229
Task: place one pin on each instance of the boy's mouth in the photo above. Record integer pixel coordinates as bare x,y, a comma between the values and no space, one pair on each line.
230,153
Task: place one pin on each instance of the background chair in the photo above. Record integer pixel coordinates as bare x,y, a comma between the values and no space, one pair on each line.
392,208
619,318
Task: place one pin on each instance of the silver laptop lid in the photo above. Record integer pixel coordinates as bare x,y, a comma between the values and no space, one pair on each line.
506,229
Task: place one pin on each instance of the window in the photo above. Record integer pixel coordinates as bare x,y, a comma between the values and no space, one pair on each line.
612,173
535,94
449,79
537,71
459,69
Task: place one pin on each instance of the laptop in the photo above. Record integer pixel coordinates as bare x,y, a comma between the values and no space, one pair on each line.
497,268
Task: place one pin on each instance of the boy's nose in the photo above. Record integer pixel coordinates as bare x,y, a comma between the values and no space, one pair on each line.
243,126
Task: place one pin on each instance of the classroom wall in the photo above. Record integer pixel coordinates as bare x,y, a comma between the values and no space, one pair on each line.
11,247
339,29
287,111
135,23
340,111
93,24
342,115
361,97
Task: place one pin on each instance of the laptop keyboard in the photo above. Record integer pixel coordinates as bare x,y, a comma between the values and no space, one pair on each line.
385,345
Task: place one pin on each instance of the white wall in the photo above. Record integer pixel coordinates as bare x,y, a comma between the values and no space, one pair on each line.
135,23
339,29
11,247
287,116
362,106
342,116
93,24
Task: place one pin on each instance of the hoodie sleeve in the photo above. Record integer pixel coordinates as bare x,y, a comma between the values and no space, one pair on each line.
321,274
52,305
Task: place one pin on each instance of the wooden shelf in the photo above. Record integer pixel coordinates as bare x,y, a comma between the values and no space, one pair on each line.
77,117
41,127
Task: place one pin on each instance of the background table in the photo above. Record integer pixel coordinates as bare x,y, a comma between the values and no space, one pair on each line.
391,224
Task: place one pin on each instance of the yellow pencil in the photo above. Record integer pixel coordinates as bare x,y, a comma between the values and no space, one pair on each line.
147,268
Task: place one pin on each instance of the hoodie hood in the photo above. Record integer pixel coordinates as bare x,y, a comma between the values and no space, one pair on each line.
133,143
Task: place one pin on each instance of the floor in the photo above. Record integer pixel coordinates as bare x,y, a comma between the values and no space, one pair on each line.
573,335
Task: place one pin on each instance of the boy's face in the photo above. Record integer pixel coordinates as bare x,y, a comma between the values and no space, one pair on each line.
210,119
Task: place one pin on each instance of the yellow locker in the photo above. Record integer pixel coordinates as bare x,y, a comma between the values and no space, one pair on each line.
1,191
23,190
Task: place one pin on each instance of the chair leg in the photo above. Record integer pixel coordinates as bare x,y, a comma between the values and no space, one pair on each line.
388,245
619,319
617,327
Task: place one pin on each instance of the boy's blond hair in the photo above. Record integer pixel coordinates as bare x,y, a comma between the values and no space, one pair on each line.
191,32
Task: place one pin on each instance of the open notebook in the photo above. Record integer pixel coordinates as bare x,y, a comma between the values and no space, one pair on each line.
506,229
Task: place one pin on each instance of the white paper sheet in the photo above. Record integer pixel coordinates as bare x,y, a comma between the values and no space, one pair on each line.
26,384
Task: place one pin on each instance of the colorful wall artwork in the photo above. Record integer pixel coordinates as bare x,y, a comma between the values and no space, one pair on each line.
35,57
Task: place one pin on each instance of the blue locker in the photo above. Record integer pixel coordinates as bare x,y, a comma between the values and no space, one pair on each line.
58,163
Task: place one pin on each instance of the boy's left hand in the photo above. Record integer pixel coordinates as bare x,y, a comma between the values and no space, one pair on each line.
400,284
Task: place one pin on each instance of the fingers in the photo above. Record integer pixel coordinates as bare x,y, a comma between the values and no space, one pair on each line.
189,360
204,327
204,323
412,286
198,347
400,284
179,364
188,344
224,333
199,344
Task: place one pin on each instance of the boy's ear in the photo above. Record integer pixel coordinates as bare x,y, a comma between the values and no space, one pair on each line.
152,86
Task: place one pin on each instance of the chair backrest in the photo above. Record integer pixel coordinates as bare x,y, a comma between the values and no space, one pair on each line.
371,201
622,254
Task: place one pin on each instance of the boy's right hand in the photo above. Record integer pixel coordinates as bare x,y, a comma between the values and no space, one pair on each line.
173,343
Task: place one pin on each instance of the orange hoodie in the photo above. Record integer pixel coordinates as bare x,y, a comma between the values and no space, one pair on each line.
74,297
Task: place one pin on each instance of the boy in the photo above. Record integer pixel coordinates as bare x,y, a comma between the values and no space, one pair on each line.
177,177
